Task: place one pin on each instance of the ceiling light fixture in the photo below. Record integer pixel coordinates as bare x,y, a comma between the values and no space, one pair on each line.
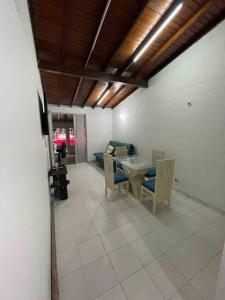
158,31
104,94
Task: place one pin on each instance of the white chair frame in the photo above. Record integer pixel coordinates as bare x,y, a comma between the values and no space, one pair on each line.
157,155
109,177
163,183
120,151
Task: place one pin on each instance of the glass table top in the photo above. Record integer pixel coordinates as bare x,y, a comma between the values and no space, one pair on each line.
135,162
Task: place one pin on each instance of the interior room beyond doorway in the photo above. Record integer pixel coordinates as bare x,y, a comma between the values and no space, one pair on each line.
64,137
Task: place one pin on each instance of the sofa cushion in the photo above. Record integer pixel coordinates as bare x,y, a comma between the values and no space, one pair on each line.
151,172
100,158
120,177
99,155
149,184
130,147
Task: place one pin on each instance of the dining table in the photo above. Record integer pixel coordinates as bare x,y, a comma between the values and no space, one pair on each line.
135,167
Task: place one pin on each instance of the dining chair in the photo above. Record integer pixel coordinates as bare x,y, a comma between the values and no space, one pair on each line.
114,180
156,155
159,189
120,151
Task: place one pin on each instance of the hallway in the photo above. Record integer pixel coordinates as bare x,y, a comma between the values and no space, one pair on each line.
116,249
134,80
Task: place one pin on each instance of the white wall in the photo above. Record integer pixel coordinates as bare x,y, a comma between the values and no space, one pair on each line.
159,118
24,195
99,126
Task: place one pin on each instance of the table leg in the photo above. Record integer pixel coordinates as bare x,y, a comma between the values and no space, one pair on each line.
135,179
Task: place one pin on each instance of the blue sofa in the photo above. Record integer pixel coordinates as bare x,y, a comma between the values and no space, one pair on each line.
99,156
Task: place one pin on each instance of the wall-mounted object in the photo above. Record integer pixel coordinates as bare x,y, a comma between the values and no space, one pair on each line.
44,115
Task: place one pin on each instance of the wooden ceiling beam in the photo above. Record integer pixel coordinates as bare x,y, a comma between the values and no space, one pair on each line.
92,47
187,25
125,96
196,19
139,12
206,29
130,61
92,74
192,20
117,93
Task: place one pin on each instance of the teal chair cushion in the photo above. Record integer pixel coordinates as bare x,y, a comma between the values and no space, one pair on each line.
149,184
151,172
120,177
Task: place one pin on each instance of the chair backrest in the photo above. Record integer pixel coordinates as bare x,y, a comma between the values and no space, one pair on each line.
109,172
130,147
121,151
164,179
157,155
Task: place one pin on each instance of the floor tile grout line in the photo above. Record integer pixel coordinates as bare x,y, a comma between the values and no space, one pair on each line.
203,203
159,287
128,243
143,268
118,283
112,264
86,282
178,241
195,273
164,253
187,283
187,280
107,254
123,290
93,262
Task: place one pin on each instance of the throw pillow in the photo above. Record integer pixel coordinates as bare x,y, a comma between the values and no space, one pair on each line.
110,150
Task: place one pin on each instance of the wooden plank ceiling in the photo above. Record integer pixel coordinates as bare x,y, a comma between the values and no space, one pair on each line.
78,58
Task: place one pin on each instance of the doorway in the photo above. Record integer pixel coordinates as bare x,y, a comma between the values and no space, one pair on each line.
68,137
81,141
63,137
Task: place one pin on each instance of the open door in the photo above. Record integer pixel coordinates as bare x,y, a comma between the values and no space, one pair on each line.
63,136
81,141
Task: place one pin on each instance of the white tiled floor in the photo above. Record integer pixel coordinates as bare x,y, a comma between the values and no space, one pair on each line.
166,276
116,250
124,262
